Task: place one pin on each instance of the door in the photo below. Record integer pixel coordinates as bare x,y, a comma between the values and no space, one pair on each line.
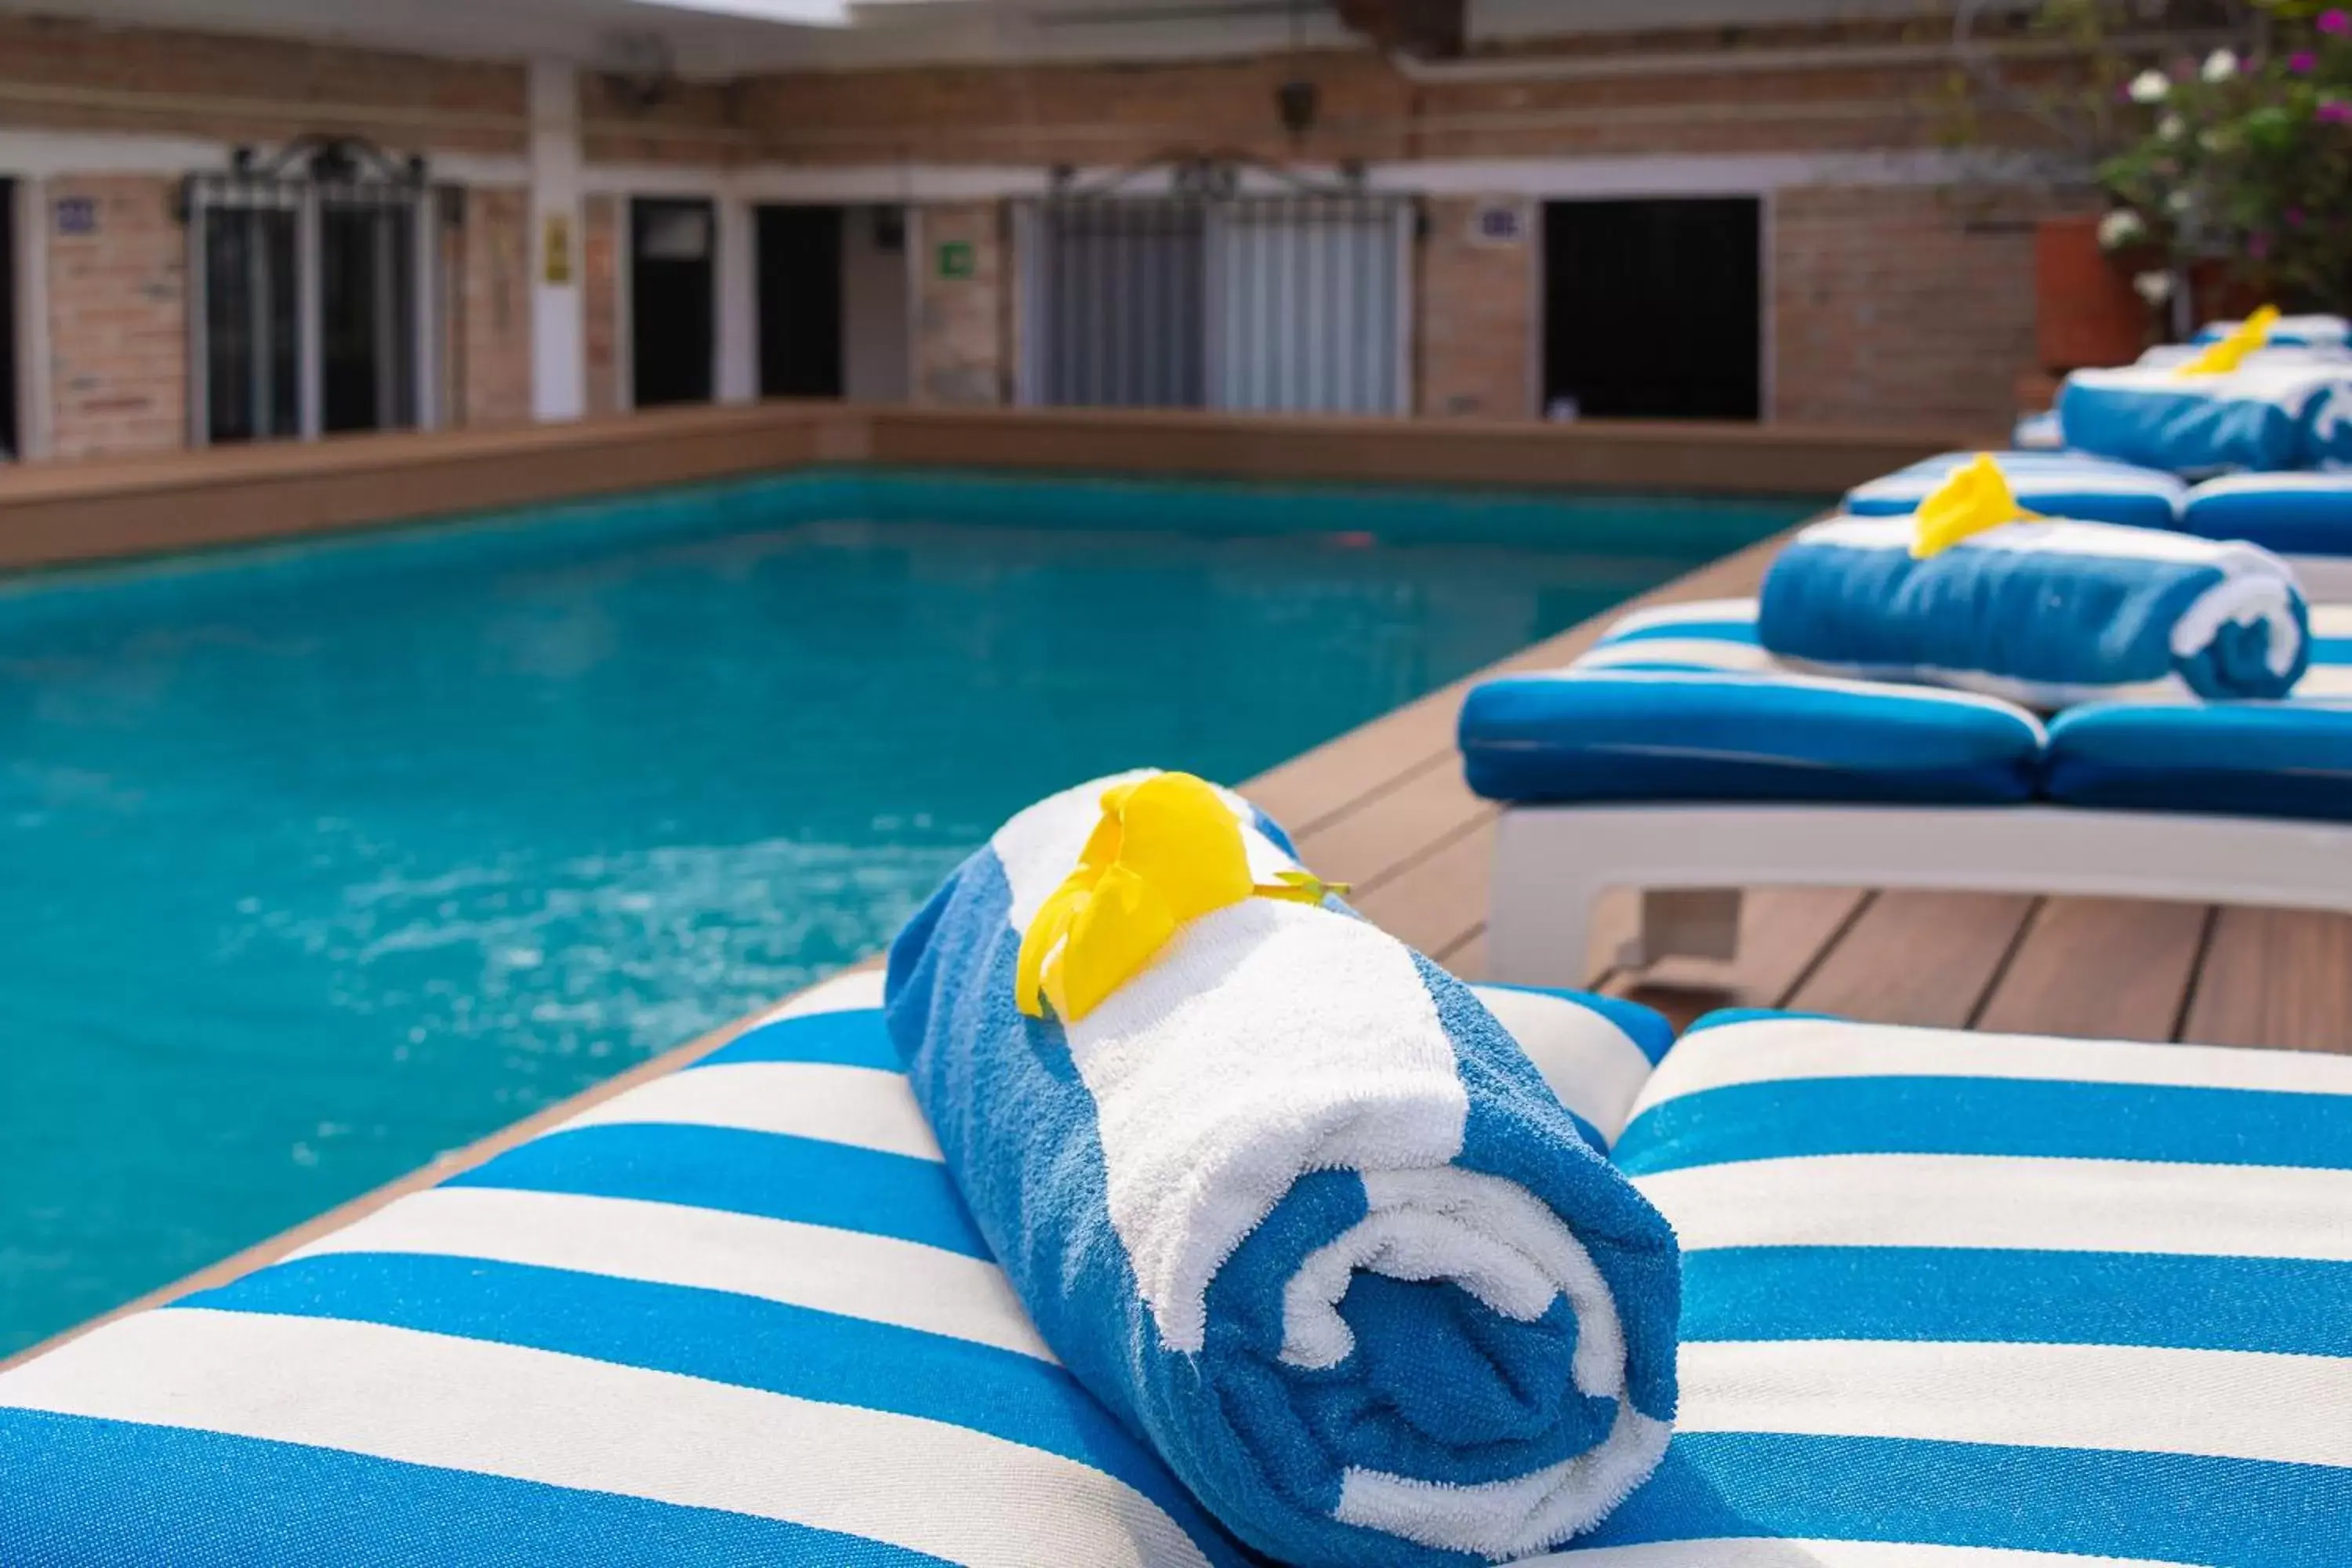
367,303
1304,314
801,276
1123,303
252,333
1653,310
672,300
11,436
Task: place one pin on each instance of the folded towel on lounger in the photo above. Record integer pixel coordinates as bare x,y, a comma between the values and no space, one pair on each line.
2272,412
1978,593
1279,1191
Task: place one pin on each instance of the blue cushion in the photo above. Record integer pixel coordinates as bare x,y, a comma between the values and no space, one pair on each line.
2242,759
1631,733
2294,515
2055,484
2016,1294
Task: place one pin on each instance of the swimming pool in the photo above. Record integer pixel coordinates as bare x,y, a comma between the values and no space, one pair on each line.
317,861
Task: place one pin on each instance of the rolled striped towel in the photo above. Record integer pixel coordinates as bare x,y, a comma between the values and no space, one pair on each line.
2043,612
2273,412
1283,1194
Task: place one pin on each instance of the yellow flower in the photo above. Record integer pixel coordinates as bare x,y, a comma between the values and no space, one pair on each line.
1975,498
2219,359
1168,850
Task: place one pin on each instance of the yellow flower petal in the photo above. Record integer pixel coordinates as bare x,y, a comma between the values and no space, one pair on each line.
1974,499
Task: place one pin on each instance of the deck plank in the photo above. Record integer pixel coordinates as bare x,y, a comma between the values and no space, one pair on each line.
1912,957
2114,969
1783,933
1424,807
1438,901
2279,978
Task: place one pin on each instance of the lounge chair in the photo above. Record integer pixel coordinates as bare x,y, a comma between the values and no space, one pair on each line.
734,1315
1677,755
1953,1291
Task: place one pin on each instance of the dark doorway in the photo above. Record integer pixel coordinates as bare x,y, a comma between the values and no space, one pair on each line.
800,301
11,438
367,328
1652,310
673,299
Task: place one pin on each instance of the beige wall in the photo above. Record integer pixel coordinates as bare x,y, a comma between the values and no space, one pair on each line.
1903,305
117,318
601,224
495,315
962,327
1476,314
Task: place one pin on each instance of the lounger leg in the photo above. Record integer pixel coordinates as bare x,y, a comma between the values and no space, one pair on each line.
1540,913
1685,922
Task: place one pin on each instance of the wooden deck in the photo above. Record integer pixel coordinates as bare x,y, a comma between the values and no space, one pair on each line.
1384,807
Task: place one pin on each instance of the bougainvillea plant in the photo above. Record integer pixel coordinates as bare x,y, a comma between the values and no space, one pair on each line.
2243,157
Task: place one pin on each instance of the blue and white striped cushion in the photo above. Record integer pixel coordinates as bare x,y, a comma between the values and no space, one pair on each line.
1998,1295
2293,514
1681,703
2055,484
735,1315
1692,708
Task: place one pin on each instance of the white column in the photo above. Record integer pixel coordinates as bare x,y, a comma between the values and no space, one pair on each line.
32,307
559,379
737,336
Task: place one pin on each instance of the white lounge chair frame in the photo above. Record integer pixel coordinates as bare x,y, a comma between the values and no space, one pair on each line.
2325,579
1552,862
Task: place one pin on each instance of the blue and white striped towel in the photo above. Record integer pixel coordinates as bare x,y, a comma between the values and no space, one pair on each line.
2286,333
734,1315
1957,1301
1293,1205
2046,613
2270,413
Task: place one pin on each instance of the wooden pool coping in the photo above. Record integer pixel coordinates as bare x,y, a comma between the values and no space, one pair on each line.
1382,806
58,513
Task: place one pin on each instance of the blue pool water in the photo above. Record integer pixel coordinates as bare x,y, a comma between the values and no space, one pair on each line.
315,862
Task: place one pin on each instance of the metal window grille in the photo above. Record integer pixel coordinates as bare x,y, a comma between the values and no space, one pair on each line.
312,278
1208,297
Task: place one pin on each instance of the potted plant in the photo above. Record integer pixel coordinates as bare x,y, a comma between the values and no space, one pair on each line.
2238,187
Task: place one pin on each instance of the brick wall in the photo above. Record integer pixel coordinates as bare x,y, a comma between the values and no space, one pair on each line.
118,320
1904,305
85,76
495,307
599,297
1475,312
962,324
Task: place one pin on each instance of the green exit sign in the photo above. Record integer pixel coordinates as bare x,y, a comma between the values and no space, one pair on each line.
956,259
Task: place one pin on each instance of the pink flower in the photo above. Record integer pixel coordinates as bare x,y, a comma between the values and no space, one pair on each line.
2335,21
2334,111
2294,216
2303,62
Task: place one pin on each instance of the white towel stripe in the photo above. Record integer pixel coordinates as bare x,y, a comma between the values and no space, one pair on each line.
863,1106
569,1422
848,992
2040,1205
1588,1061
1784,1049
881,1279
2241,1405
1756,1551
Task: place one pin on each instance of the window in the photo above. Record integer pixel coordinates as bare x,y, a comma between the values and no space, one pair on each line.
314,287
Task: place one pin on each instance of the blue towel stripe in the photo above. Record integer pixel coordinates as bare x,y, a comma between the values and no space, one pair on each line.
1957,1115
771,1174
741,1340
96,1492
2283,1306
853,1038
